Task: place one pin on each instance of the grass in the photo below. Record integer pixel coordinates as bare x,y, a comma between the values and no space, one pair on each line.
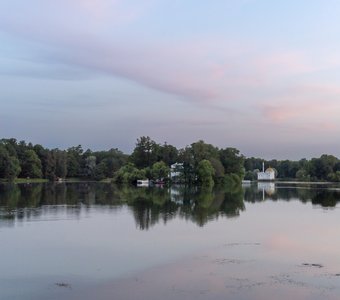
24,180
42,180
30,180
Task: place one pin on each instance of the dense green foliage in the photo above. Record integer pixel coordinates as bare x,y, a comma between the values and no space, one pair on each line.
19,159
202,163
324,168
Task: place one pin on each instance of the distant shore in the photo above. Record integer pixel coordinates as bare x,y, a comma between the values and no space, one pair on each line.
293,182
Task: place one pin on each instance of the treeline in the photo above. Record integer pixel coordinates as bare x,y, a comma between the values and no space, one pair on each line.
25,160
201,162
324,168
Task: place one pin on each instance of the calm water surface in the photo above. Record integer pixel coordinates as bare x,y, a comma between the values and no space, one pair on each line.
100,241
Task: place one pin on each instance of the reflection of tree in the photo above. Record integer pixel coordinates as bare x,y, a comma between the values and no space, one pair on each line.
321,195
326,198
9,199
149,206
233,201
208,204
25,201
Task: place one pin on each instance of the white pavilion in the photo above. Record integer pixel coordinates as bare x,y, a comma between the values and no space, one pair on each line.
266,175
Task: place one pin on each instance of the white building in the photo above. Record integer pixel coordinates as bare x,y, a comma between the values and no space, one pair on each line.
267,175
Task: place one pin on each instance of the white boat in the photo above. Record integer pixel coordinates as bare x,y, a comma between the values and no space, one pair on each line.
144,182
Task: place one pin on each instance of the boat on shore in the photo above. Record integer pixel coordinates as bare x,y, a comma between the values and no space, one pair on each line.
143,183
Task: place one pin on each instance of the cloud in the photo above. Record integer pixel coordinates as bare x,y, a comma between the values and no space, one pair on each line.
212,71
316,104
91,34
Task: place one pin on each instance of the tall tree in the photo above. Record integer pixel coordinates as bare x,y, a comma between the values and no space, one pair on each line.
160,171
9,165
200,150
145,153
90,165
61,163
232,161
31,165
205,173
168,154
74,161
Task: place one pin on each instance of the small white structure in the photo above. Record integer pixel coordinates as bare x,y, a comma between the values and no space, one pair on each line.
143,183
267,175
176,170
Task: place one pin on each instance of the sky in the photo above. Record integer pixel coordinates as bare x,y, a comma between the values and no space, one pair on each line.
259,75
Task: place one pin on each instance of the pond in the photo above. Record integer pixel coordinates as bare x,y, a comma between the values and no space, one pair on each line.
100,241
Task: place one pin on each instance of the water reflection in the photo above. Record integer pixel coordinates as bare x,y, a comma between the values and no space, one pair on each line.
150,206
323,195
198,205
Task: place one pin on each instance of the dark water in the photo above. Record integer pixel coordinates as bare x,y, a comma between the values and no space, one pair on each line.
100,241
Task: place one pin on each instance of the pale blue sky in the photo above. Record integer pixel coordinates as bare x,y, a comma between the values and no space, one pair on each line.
262,76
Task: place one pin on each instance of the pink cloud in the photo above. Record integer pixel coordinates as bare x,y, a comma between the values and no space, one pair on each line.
283,63
316,104
209,70
113,10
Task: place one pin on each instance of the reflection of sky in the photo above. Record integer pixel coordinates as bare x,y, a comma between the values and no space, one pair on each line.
100,244
81,71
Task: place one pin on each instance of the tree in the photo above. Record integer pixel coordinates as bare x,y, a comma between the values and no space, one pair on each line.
90,165
9,165
145,153
185,156
11,146
302,174
334,176
232,161
100,171
168,154
252,163
113,160
320,168
205,173
200,151
3,160
50,166
129,174
74,161
31,165
218,168
250,175
43,156
12,168
286,168
61,163
160,171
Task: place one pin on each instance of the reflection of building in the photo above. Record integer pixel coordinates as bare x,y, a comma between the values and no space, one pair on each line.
268,187
176,195
176,171
267,175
